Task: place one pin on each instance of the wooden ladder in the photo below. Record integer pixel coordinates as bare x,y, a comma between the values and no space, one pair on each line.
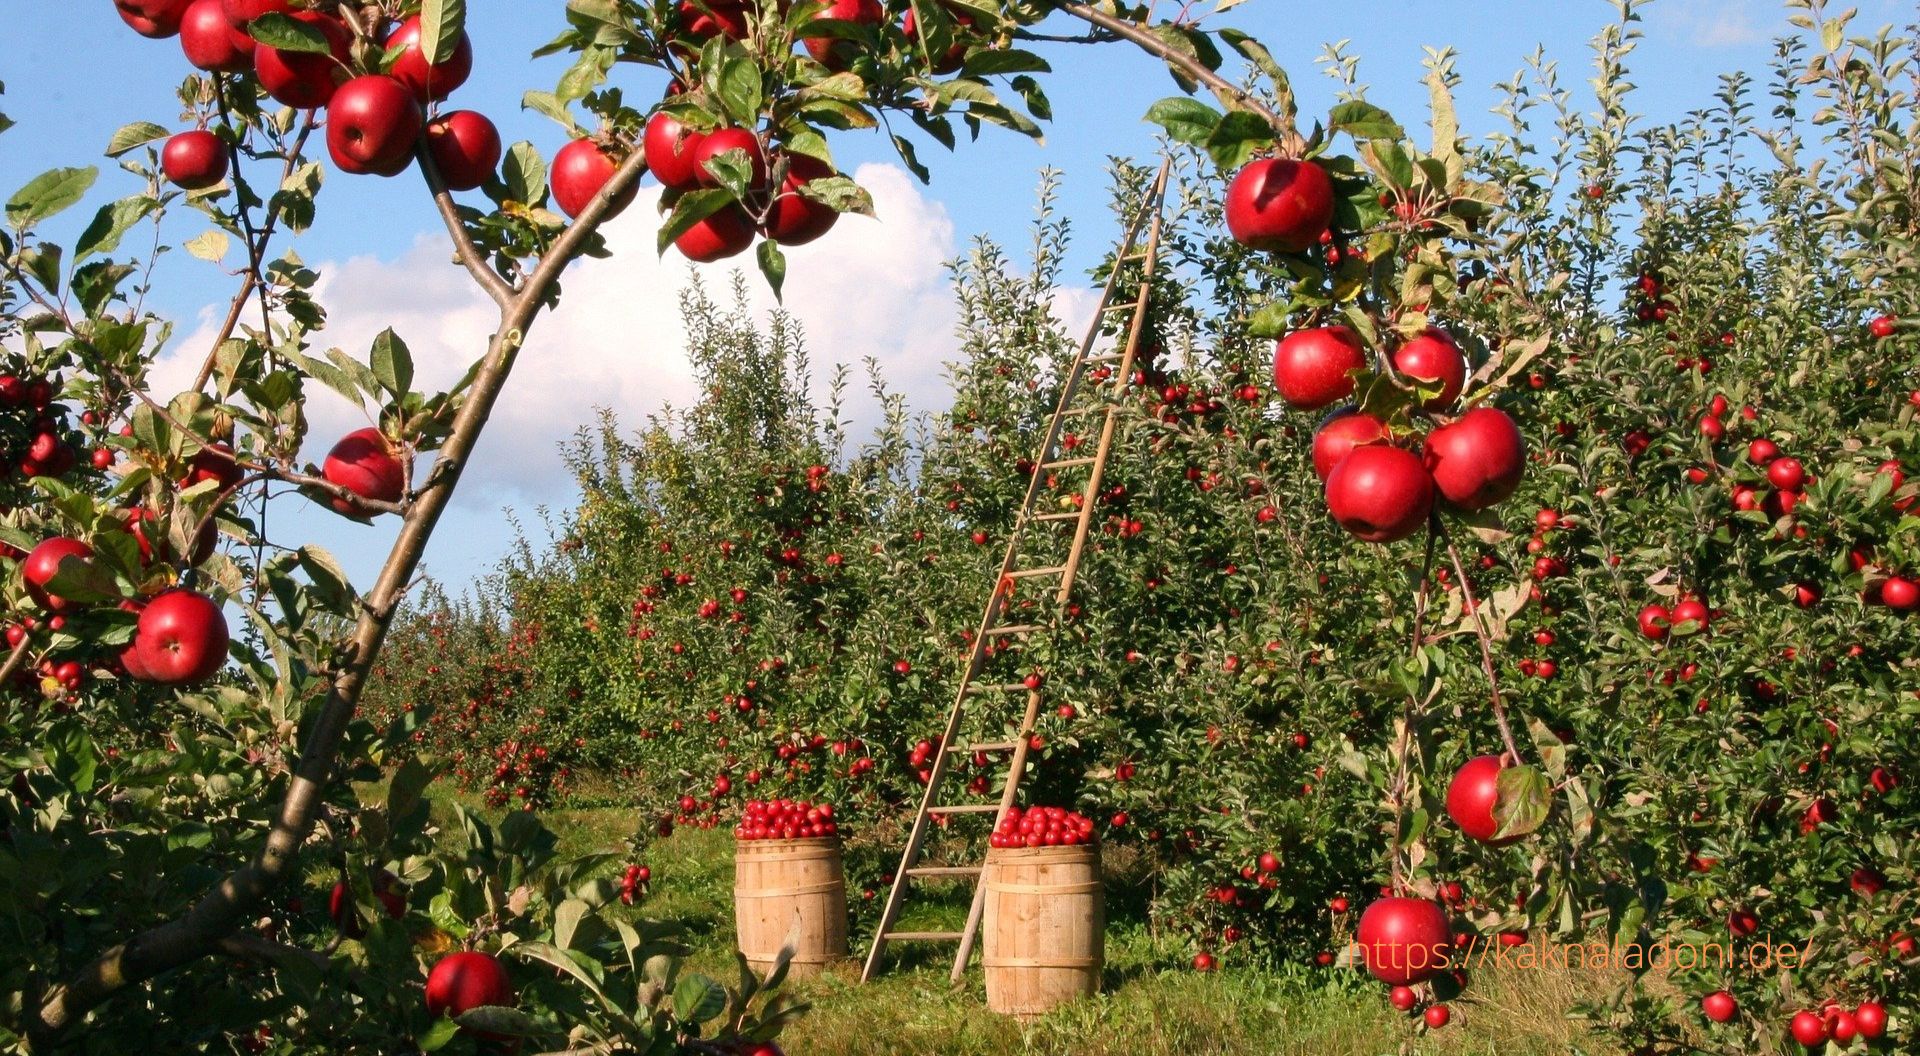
1109,388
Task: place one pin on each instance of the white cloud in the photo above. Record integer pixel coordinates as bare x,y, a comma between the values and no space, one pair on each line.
869,287
1714,23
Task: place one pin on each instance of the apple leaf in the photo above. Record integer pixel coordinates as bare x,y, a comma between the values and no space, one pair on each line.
1522,805
496,1019
135,135
697,999
1270,322
111,223
77,579
329,375
48,194
392,363
841,193
773,264
43,263
1363,120
989,62
1186,120
525,174
280,31
1237,138
209,245
442,23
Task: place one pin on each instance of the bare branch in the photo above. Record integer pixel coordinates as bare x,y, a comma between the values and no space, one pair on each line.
463,246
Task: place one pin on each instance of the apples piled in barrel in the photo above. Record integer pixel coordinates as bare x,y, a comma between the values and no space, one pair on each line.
787,819
1042,827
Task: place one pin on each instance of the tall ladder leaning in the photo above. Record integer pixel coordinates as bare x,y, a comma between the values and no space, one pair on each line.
1109,388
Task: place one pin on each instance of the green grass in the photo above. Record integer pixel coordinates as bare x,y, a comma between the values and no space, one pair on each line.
1151,1002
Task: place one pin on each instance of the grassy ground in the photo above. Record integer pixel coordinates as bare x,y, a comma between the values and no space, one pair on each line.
1151,1004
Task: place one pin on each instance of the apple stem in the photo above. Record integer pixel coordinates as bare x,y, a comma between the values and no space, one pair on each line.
1486,653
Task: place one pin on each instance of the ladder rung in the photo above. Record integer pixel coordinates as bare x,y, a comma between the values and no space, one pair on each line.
1007,687
1015,628
946,870
921,936
1107,357
1124,306
1072,515
1031,573
965,808
1069,463
985,746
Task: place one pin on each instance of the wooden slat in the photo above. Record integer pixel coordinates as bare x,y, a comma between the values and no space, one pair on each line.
920,936
946,870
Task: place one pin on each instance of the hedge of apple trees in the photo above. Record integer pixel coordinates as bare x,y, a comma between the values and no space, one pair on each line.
1650,684
206,844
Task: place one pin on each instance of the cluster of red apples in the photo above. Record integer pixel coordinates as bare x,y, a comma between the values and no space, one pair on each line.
787,819
1042,827
1376,488
375,118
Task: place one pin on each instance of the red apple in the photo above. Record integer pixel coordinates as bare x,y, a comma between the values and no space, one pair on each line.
833,52
212,42
364,463
1808,1029
181,639
465,147
1403,998
340,904
1432,356
194,160
714,17
670,146
1871,1018
1380,493
372,125
1719,1006
1883,326
795,219
717,237
580,169
1477,460
1655,620
722,140
299,79
153,18
1471,796
1341,432
1899,594
1787,474
40,566
1693,610
460,982
243,12
1312,368
1437,1016
1279,205
428,82
1404,940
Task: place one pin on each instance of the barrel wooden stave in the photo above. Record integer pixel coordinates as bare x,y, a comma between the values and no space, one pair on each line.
1044,924
779,882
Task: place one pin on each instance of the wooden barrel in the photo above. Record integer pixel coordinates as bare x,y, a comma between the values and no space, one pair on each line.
790,888
1045,927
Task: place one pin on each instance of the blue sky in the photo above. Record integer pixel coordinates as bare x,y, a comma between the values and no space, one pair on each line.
375,241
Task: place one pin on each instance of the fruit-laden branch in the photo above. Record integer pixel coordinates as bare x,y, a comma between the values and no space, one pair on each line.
1290,140
257,243
463,247
223,910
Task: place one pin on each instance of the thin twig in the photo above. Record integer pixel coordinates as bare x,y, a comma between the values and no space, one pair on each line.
1486,653
16,658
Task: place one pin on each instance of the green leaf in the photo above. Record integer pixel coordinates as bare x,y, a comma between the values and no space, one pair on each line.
773,264
43,263
525,174
1237,138
392,363
1523,804
48,194
495,1019
278,30
409,783
330,581
439,1035
112,223
566,920
1187,120
135,135
1363,121
1270,322
991,62
697,999
550,105
442,24
738,88
72,756
332,377
841,193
